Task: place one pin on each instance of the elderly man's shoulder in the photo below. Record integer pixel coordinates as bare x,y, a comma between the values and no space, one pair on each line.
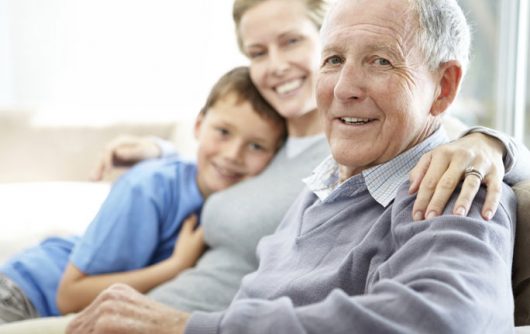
506,212
453,241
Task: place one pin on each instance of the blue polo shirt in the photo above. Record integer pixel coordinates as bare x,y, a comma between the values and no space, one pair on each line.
136,226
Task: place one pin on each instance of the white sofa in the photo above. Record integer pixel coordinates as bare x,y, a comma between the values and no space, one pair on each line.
44,174
59,200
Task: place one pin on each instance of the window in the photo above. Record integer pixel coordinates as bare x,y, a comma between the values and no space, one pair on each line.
526,122
513,62
106,60
477,101
82,61
494,91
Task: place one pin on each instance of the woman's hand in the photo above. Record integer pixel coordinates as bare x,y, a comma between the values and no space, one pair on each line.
439,172
125,151
190,244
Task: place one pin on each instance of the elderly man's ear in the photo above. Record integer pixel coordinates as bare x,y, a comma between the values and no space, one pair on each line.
448,85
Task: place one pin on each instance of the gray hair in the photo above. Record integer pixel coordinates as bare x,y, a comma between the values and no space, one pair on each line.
444,33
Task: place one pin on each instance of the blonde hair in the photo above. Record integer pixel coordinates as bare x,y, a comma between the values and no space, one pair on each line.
316,10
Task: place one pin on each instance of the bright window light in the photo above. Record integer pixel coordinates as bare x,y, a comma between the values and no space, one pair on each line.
107,60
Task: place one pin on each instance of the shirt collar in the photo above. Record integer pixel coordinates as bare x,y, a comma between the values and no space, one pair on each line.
382,181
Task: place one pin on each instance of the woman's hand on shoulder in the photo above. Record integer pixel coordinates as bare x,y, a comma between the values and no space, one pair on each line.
439,172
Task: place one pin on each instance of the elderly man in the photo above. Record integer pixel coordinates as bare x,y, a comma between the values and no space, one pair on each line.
348,258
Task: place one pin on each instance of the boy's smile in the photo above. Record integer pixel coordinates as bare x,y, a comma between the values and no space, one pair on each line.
234,144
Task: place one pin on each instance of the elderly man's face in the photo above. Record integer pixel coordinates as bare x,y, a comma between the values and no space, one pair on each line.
374,87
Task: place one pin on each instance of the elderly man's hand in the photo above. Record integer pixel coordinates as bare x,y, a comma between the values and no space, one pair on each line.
440,171
121,309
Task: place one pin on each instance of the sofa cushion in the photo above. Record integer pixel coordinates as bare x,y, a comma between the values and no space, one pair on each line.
33,211
521,262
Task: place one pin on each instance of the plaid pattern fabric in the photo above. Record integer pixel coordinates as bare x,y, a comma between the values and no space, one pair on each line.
14,305
382,180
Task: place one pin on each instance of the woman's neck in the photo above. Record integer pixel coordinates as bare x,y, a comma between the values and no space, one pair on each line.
309,124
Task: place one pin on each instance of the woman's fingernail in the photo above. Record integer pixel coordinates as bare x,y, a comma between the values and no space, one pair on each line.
461,211
431,214
418,215
488,214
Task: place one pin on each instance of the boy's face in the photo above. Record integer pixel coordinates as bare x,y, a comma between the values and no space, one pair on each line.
234,143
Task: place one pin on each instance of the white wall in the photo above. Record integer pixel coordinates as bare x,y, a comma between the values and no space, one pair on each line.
102,60
6,75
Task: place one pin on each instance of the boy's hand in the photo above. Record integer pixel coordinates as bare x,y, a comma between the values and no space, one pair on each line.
190,243
125,151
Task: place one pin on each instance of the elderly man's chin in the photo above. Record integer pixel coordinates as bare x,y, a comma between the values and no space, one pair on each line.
355,155
353,159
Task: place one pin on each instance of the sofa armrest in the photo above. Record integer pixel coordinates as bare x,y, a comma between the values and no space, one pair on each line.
521,262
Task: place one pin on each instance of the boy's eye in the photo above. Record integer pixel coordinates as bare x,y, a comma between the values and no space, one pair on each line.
223,132
256,147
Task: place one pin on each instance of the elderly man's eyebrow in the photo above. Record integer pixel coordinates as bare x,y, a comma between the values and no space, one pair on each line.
386,49
333,48
383,49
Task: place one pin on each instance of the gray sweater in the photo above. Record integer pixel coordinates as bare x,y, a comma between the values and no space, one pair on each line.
347,264
234,220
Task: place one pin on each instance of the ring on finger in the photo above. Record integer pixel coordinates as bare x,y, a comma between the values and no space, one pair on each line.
473,171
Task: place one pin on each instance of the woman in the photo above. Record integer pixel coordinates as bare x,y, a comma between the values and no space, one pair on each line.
284,58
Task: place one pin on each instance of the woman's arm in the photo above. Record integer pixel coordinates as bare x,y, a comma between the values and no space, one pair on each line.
439,172
128,150
77,289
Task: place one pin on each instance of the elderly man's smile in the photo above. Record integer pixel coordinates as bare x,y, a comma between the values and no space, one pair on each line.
355,120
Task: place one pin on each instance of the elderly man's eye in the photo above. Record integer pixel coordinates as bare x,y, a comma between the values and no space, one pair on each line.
383,62
333,60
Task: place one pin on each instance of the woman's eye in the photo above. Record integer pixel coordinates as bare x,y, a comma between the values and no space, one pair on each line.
255,54
293,40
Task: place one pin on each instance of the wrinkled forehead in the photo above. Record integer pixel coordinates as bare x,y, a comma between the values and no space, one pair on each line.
393,18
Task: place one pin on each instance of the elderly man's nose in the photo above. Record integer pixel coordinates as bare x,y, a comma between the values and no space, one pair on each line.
350,84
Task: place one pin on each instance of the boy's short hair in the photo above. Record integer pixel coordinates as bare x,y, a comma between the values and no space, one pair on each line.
238,82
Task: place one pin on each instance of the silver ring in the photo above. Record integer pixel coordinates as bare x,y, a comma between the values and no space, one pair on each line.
475,172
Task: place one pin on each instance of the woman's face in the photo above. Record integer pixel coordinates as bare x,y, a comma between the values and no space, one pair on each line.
283,47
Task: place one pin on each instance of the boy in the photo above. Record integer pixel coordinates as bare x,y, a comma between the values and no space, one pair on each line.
132,238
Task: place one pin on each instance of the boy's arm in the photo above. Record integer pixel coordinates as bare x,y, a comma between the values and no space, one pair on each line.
77,289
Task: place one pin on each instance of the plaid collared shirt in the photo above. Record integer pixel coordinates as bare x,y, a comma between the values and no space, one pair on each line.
382,180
